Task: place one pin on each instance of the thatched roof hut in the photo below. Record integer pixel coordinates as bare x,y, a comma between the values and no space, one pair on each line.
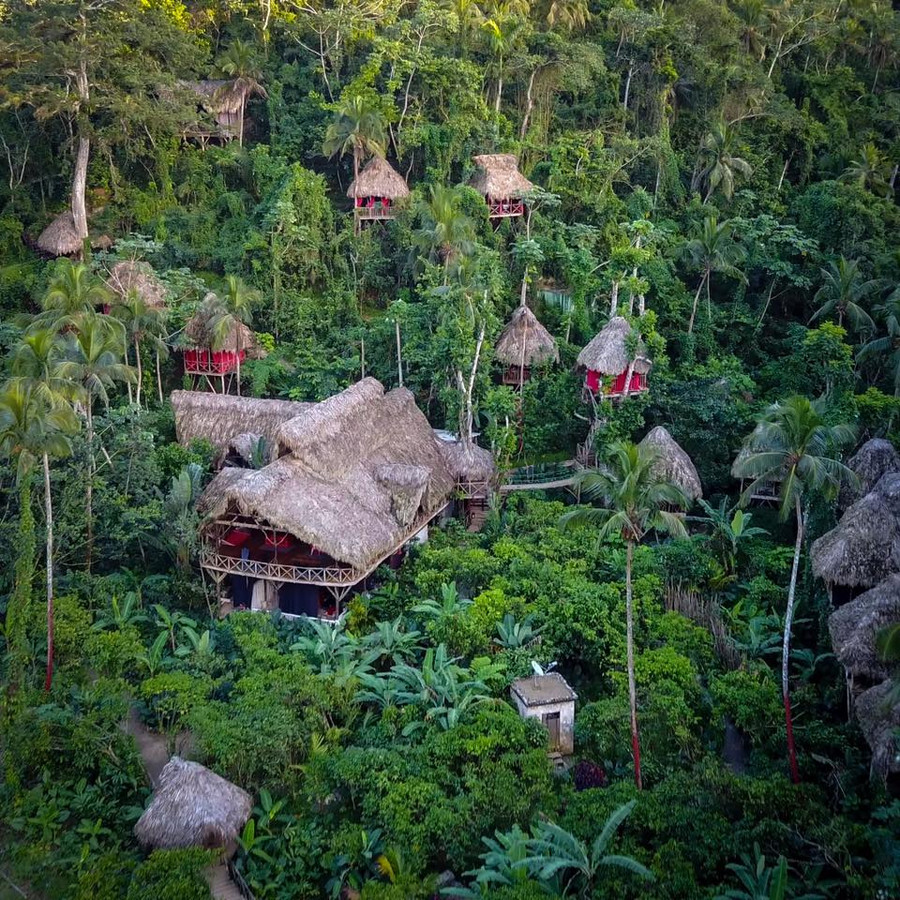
524,341
672,462
879,721
863,549
855,626
193,807
378,179
197,332
131,275
60,237
353,475
608,353
469,464
497,176
222,418
217,98
874,459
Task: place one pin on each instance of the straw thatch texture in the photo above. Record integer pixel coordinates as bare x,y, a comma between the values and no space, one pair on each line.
607,353
221,418
217,98
879,721
214,499
874,459
197,333
672,463
498,177
355,465
60,238
888,488
854,629
525,333
130,275
469,464
379,179
193,807
863,549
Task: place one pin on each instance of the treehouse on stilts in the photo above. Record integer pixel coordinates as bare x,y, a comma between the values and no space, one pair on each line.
523,345
498,179
612,371
376,192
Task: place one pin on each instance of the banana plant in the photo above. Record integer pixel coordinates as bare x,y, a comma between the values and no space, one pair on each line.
512,634
121,613
154,658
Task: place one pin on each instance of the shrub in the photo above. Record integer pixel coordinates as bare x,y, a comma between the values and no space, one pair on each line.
172,875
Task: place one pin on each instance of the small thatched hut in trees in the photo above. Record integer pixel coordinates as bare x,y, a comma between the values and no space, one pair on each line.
356,477
672,462
879,721
612,371
224,420
498,179
193,807
223,105
475,473
874,459
855,626
766,491
208,358
131,275
60,237
861,550
523,344
376,192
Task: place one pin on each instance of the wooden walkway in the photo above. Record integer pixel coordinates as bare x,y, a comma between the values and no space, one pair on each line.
542,478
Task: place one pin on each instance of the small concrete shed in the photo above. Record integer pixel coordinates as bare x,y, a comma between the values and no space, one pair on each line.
549,699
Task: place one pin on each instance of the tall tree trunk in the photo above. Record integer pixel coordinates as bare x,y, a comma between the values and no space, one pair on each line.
399,353
499,87
786,647
614,299
89,488
529,105
628,85
48,511
694,307
632,687
140,371
159,379
79,187
241,122
20,603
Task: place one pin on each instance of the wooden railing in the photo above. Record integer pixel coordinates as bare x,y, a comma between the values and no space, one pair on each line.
500,208
329,576
375,212
239,881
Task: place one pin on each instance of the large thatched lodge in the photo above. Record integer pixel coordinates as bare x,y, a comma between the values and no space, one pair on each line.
344,486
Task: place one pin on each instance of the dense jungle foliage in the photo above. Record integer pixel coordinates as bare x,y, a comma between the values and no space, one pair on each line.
726,170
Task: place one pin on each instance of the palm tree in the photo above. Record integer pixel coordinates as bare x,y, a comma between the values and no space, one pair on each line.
239,64
635,501
568,15
888,343
713,250
870,172
359,127
753,16
35,424
142,322
719,163
795,446
445,232
94,361
229,317
843,292
74,292
556,852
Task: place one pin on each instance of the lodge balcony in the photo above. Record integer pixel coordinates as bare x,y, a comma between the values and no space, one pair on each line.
512,375
212,362
604,387
505,209
374,211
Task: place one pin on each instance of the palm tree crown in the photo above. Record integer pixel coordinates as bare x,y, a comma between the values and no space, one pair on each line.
359,127
842,292
720,164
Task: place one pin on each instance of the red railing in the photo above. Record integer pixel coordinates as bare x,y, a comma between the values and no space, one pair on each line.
501,208
211,362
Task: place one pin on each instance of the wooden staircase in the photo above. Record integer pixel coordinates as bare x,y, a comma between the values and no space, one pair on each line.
476,512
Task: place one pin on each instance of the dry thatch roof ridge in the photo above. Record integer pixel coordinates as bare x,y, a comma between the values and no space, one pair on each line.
470,463
197,331
672,462
215,95
379,179
525,333
607,352
879,721
874,458
854,628
60,237
193,807
863,548
221,418
498,177
888,488
361,467
130,275
214,499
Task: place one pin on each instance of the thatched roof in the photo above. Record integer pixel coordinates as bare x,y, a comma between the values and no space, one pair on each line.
131,275
525,341
215,95
468,463
888,488
855,626
863,549
193,807
607,353
874,458
214,499
879,721
672,463
60,237
221,418
197,332
379,179
498,176
353,474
